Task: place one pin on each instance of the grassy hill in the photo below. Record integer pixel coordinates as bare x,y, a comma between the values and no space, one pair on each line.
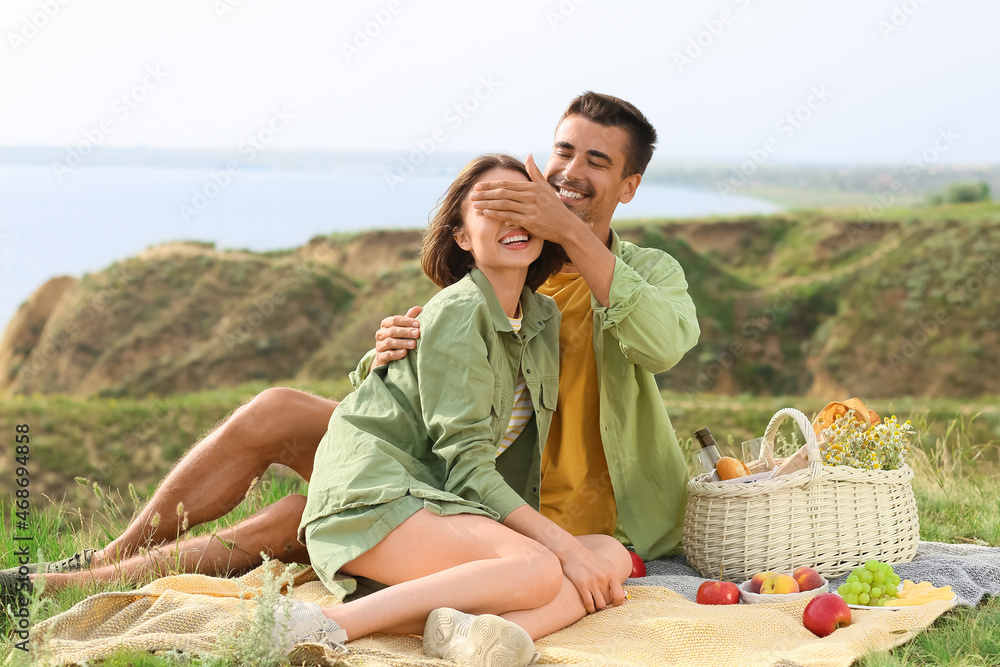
822,303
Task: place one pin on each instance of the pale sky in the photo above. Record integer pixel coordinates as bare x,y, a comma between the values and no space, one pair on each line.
884,77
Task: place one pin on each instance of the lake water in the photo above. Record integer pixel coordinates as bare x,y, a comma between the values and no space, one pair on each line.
98,214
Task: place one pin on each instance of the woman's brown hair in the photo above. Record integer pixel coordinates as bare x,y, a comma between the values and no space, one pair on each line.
443,260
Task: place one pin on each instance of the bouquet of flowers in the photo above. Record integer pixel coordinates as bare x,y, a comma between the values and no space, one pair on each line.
870,446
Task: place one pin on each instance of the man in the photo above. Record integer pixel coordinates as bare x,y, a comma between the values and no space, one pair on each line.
611,457
611,463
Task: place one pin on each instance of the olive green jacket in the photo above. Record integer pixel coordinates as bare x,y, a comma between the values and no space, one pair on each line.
648,326
429,425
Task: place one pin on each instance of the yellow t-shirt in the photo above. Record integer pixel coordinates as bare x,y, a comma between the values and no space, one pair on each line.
576,486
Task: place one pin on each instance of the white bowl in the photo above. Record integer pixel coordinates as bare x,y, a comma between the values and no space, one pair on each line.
749,597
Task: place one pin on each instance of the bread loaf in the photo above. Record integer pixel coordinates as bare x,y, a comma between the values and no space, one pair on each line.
730,468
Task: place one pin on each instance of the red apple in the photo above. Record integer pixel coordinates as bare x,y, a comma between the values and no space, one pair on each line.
807,578
779,584
825,613
638,567
718,592
758,579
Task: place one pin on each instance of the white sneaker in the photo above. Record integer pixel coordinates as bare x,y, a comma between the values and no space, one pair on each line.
476,641
304,622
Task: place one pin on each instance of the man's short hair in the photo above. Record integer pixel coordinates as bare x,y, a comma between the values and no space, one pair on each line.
611,111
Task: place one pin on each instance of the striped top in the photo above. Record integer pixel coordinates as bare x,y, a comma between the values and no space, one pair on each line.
523,407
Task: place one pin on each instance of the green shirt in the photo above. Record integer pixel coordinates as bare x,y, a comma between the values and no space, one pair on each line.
648,326
429,424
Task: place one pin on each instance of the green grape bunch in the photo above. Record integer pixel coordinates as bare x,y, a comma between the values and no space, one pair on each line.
871,585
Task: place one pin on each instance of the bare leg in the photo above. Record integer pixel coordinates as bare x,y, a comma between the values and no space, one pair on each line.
567,608
278,426
467,562
229,551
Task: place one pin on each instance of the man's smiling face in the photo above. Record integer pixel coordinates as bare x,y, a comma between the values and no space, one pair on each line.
586,167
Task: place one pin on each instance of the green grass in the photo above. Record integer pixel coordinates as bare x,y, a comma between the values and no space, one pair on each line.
794,198
957,486
962,637
117,441
60,531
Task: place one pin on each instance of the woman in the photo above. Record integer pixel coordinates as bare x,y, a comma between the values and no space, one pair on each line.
420,480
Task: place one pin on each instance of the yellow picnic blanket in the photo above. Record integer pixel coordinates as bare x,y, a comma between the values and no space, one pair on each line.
656,627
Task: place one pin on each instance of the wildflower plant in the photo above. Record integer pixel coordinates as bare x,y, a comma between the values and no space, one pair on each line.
23,651
852,442
250,641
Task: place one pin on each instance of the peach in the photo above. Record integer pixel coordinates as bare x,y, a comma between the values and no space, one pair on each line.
758,579
779,584
807,578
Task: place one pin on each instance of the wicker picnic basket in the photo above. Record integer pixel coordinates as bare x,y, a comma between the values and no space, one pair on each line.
831,518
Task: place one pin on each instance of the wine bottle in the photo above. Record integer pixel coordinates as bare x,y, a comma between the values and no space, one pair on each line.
709,452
